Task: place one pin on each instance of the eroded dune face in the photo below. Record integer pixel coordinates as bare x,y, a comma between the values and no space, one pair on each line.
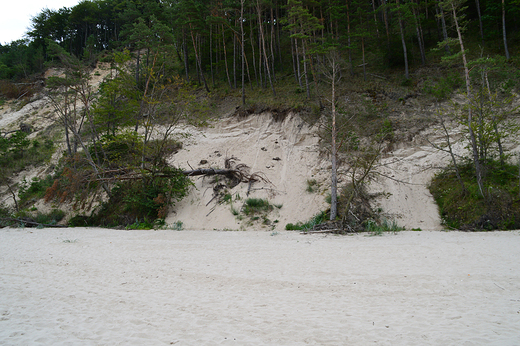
285,153
288,154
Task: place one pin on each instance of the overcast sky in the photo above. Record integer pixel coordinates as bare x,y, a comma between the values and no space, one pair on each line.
15,15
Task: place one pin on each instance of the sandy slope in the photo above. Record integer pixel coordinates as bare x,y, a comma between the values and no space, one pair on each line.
286,153
108,287
258,139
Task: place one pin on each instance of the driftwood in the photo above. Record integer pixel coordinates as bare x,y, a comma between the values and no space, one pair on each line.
323,231
211,171
32,223
239,173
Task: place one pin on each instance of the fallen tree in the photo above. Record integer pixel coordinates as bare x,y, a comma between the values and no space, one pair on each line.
137,194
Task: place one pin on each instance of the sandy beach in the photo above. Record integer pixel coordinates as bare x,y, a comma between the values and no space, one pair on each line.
91,286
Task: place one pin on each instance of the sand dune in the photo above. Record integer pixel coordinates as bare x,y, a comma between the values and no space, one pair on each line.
107,287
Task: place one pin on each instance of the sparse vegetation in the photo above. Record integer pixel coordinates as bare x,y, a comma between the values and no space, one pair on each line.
25,218
443,87
256,206
178,226
309,225
312,185
18,152
34,190
385,226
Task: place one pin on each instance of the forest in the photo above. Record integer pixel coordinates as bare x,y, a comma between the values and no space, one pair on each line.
223,42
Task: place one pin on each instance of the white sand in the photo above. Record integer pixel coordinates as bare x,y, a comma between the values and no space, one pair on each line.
286,153
108,287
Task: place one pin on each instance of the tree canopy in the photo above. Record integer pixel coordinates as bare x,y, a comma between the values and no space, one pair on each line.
277,36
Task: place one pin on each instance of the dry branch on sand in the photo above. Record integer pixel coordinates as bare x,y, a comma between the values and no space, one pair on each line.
237,173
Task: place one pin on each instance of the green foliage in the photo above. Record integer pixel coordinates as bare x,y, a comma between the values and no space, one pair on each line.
312,185
256,205
467,209
387,130
34,190
142,201
307,226
377,229
178,226
443,87
328,198
18,152
52,218
70,241
141,225
5,214
79,221
7,218
227,198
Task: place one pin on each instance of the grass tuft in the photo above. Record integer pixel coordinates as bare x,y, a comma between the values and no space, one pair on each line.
256,205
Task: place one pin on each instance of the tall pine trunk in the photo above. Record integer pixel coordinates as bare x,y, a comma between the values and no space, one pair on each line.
476,159
243,51
253,53
419,36
403,42
262,38
185,51
293,54
234,62
272,45
375,17
444,31
334,151
211,54
351,67
225,56
298,69
307,88
504,30
197,57
477,3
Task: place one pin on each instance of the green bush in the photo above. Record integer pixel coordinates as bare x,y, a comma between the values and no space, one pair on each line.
141,225
306,226
467,209
445,86
79,221
35,190
52,218
139,202
18,152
